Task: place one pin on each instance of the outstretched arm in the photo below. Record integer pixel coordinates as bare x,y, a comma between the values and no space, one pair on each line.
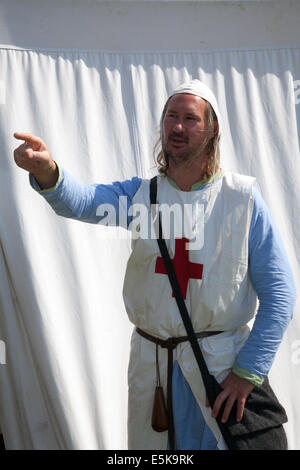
67,196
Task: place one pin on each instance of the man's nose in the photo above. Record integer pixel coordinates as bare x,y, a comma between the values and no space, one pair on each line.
179,126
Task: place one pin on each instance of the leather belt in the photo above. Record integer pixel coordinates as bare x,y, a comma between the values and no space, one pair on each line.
171,344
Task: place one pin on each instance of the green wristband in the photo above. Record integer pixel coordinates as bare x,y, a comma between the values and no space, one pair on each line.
245,374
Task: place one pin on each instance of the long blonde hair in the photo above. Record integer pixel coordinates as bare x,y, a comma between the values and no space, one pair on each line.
211,146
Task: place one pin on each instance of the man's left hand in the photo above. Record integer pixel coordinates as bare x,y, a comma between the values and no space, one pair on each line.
234,388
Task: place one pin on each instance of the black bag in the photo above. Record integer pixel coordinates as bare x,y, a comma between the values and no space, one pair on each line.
261,426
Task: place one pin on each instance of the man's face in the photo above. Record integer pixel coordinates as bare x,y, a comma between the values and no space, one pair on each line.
184,128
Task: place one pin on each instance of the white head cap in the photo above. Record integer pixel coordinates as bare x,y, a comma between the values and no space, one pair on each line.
198,88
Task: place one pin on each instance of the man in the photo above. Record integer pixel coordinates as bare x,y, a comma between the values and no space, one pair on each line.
242,258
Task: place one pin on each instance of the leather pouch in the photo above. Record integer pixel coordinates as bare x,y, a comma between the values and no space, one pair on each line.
159,413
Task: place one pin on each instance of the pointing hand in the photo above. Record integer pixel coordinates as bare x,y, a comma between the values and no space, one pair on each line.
34,156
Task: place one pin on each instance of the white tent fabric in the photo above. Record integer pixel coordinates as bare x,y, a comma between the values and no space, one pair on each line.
66,335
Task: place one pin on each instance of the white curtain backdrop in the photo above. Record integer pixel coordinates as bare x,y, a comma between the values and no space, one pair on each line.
63,380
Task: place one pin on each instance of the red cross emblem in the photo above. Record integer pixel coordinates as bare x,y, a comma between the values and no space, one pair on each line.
184,269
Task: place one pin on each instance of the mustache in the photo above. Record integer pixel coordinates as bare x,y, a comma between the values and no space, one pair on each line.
175,135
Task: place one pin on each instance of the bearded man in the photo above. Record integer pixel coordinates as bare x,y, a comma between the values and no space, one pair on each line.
241,261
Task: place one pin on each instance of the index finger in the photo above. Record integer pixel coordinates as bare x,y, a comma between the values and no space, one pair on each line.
29,138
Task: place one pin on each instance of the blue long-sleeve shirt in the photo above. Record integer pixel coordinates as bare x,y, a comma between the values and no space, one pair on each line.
269,268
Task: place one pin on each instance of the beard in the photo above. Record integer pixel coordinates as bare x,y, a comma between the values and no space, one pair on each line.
185,157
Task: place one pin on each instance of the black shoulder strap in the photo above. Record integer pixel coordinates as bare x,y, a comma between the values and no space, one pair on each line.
177,291
153,190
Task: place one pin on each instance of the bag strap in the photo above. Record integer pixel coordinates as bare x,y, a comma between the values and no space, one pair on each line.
177,291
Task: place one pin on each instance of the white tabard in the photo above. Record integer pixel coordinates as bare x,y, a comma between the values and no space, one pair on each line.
221,298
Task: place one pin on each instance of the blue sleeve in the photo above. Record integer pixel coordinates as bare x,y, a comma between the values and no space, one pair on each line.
272,279
105,204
